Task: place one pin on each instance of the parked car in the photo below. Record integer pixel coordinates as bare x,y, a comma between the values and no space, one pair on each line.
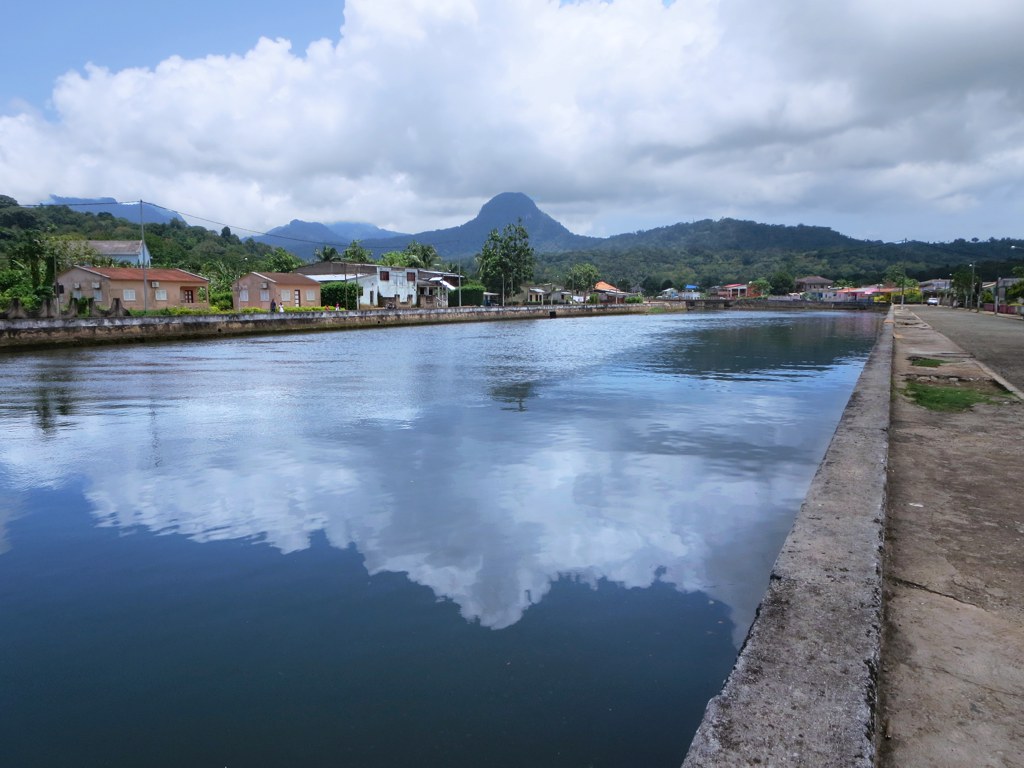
933,301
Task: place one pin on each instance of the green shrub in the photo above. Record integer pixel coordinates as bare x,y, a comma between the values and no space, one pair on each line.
470,295
634,299
345,295
222,300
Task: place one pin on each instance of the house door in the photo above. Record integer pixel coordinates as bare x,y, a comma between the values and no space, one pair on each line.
297,296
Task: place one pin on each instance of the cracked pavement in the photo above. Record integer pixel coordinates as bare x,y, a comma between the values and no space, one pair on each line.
951,685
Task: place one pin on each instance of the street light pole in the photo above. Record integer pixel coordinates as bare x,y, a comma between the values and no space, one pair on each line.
974,300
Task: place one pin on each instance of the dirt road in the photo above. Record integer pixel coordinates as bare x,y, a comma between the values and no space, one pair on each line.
951,687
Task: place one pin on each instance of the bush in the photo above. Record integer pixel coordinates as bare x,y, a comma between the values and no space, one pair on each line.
634,299
222,300
472,295
345,295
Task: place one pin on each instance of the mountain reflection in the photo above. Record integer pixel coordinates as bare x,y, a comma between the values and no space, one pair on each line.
614,473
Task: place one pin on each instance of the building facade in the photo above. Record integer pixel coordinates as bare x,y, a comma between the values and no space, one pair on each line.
136,288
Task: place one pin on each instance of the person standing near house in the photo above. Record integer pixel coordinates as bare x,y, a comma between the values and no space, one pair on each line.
273,306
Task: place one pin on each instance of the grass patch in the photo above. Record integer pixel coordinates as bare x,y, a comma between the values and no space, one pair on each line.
939,398
925,362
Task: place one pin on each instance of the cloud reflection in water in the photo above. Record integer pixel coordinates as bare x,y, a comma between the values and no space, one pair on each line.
616,460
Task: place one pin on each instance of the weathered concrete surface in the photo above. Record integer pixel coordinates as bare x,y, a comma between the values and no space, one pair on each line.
802,691
34,333
995,340
951,688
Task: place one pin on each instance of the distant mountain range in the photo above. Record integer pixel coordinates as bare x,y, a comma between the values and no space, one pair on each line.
465,240
303,238
151,214
705,252
454,243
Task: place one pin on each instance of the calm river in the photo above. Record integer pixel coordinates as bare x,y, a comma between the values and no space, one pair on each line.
527,544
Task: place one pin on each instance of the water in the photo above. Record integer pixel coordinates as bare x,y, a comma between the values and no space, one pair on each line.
507,544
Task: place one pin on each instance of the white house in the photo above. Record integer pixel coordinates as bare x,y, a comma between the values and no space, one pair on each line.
383,286
125,252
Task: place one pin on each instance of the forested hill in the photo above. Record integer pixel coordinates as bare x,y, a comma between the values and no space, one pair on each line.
728,250
734,235
705,252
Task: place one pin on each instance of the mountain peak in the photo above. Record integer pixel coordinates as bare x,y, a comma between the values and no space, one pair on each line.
506,204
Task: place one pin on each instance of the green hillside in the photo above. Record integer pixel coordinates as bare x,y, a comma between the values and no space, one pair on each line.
35,241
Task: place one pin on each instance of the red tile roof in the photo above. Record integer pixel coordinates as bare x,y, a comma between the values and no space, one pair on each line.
150,273
286,278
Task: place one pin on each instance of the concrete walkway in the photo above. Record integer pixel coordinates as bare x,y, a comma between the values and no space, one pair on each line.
951,684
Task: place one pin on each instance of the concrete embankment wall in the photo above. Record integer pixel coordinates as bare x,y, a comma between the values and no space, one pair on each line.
35,333
802,692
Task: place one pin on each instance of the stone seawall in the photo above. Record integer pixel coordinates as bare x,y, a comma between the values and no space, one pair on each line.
802,692
36,333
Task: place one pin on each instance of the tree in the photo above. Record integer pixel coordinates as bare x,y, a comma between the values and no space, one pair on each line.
782,282
962,284
581,277
355,253
897,276
279,260
421,255
760,287
507,259
1015,292
650,285
327,253
395,259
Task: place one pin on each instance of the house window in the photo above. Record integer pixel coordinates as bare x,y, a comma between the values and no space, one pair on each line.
160,294
410,276
188,296
128,294
264,295
385,276
98,295
243,294
285,294
310,294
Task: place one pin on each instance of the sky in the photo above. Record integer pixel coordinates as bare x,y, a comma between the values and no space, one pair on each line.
883,120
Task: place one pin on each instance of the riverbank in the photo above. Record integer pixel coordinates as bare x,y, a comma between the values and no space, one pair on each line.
911,653
803,688
50,332
951,684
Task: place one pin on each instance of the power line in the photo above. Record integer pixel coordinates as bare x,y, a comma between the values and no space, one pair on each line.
239,228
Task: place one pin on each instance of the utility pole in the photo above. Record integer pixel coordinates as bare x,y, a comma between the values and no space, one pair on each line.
142,256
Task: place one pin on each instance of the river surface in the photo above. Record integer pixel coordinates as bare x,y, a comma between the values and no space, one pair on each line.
529,543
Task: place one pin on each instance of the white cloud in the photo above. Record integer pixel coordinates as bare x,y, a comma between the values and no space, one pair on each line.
863,115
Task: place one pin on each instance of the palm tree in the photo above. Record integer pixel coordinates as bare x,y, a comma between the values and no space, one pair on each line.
327,253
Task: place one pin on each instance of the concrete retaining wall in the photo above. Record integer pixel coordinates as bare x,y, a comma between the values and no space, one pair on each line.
802,692
34,333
